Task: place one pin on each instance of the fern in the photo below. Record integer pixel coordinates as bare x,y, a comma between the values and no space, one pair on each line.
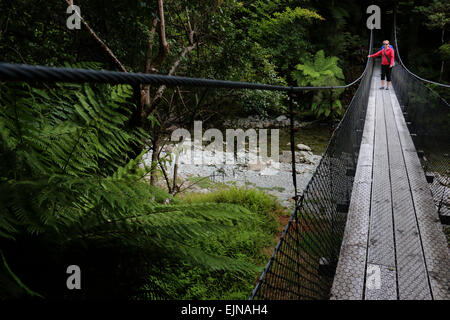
68,192
322,71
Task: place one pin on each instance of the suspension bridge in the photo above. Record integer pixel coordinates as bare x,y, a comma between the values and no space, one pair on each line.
381,189
393,243
369,223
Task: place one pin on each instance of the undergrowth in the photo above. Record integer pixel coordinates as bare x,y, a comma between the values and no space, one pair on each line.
70,194
244,242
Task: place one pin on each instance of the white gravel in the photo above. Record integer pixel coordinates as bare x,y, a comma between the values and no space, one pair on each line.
272,177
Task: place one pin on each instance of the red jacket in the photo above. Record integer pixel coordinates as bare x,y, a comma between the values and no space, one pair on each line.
388,52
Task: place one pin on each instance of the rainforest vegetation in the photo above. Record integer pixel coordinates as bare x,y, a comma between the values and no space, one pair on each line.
73,188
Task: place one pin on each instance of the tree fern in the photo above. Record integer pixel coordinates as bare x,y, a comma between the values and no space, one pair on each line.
322,71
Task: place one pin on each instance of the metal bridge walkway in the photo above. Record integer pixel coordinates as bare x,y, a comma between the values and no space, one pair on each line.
393,246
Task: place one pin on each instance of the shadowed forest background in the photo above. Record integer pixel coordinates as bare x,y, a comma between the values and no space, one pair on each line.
72,186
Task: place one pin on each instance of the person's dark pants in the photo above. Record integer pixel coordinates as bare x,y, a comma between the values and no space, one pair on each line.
385,72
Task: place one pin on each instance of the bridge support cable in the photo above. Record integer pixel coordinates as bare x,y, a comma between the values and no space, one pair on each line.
303,263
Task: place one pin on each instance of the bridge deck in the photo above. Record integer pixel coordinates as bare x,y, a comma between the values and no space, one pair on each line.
393,246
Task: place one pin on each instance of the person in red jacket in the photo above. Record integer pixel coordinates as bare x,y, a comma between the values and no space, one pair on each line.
387,62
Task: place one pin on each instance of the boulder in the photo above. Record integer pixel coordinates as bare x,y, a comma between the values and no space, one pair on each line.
285,123
305,153
303,147
269,172
281,118
286,157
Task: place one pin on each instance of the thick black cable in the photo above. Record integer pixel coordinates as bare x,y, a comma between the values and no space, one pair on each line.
309,203
21,72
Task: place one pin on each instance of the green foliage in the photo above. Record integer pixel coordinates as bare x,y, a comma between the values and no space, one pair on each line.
284,33
262,102
444,52
244,243
418,45
69,193
437,13
254,200
322,71
319,72
281,19
230,54
72,183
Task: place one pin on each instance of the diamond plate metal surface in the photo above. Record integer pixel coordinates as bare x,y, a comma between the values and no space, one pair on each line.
349,279
411,271
392,220
380,283
433,239
424,111
381,237
393,246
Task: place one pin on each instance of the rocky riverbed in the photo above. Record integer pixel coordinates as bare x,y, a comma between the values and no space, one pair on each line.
200,169
225,168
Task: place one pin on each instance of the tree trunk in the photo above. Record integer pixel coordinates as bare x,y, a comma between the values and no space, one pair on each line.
163,44
442,62
100,41
145,93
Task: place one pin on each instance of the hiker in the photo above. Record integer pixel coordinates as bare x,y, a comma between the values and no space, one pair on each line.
387,62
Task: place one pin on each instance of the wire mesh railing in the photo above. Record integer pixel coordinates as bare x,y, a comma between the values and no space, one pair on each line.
428,118
304,261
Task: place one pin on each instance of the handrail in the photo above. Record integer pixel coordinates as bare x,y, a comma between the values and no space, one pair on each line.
312,181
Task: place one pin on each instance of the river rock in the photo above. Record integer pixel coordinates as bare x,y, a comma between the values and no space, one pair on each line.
303,147
281,118
269,172
285,123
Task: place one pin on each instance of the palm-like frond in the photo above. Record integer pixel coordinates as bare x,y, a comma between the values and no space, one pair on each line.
67,184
